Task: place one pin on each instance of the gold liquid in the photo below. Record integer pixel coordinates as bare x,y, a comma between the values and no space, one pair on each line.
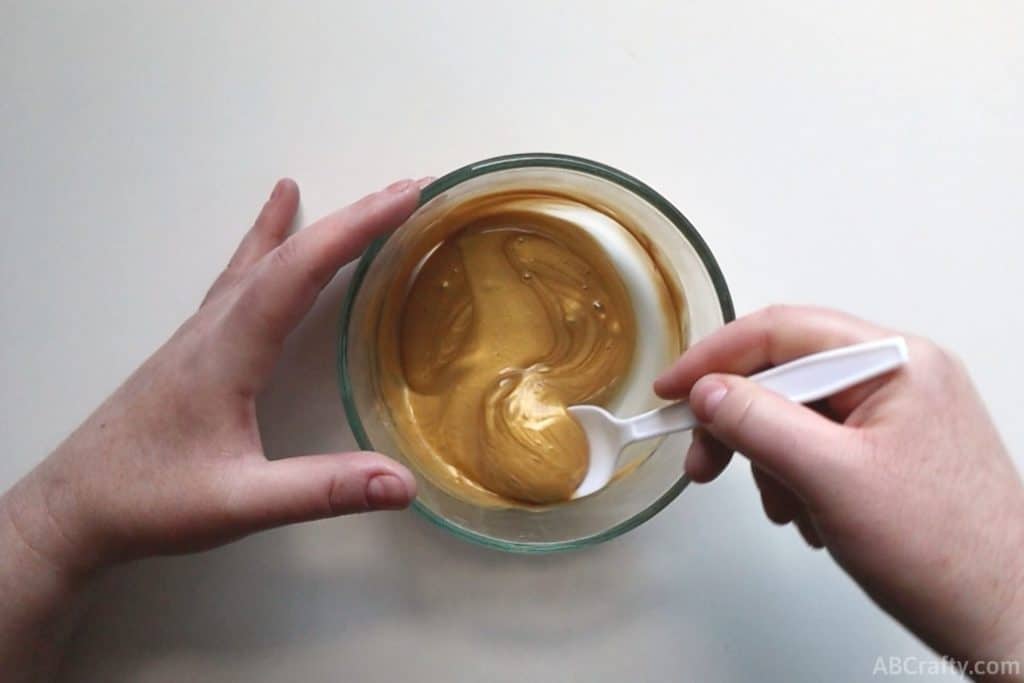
498,322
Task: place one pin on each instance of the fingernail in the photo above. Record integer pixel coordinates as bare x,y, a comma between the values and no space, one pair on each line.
708,394
387,492
278,186
425,180
400,186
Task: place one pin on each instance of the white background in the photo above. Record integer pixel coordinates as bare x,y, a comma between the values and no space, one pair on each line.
861,155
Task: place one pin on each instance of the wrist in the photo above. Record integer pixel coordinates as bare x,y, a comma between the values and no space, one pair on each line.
41,525
1008,636
40,596
1003,640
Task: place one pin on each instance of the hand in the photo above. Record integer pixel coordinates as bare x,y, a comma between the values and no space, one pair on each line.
172,461
904,479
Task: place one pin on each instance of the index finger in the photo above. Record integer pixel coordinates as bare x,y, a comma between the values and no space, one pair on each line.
771,336
285,283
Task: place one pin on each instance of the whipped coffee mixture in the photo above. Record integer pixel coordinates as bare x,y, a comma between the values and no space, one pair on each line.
497,323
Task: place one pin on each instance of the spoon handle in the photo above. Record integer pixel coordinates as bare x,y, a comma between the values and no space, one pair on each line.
802,380
820,375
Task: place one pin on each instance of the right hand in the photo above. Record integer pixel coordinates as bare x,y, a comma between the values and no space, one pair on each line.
904,479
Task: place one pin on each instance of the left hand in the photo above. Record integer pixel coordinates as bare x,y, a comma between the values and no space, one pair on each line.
172,461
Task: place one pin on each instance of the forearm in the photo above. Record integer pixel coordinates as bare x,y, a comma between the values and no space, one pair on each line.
39,595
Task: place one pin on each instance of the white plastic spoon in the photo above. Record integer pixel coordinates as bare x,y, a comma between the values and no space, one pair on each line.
803,380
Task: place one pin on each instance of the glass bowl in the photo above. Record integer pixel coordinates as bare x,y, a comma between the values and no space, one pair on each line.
629,500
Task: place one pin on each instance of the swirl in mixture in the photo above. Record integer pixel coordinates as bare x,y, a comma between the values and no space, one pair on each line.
505,324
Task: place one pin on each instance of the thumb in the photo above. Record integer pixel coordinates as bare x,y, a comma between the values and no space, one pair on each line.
799,446
272,493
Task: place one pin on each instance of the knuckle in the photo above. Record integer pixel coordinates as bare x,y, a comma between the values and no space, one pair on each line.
245,299
343,496
289,258
736,410
286,255
776,315
937,363
777,311
928,353
247,312
773,314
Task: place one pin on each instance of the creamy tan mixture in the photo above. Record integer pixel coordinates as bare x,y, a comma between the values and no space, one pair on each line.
485,339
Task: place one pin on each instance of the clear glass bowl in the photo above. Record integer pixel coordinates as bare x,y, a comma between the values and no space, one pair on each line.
627,501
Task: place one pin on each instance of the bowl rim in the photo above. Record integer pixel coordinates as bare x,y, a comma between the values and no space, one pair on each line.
493,165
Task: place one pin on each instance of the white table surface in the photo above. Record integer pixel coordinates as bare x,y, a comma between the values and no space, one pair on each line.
861,155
